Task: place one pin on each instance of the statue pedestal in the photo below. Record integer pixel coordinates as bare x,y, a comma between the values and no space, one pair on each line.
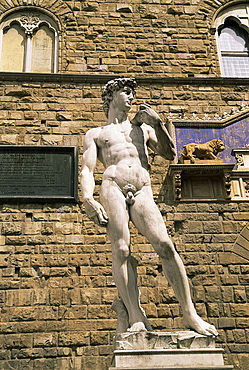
166,350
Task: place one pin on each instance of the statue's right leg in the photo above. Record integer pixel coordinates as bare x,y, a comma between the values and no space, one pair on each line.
123,272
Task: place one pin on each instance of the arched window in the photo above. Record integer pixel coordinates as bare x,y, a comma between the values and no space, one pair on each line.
233,42
28,43
232,34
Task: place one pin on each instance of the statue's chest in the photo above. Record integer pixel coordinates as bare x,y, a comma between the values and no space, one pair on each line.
110,136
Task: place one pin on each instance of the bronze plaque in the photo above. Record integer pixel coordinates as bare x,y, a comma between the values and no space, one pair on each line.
39,172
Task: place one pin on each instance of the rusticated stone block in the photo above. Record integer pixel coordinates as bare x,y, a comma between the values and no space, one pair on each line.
55,296
74,339
239,348
15,240
4,355
227,294
243,361
97,312
48,313
37,260
74,239
27,352
229,280
45,364
240,295
230,227
75,296
244,279
36,240
18,340
23,314
226,322
55,260
239,335
8,139
4,260
99,338
91,296
239,309
213,309
79,259
212,294
212,227
195,227
14,364
45,340
11,228
47,228
74,313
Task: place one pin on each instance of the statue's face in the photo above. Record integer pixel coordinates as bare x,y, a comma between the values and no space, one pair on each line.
122,98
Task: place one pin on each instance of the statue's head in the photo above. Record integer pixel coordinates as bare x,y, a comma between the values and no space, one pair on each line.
115,85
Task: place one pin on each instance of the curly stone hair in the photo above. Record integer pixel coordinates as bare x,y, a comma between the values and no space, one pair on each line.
115,85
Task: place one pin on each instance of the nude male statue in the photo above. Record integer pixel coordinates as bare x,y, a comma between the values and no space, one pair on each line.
126,195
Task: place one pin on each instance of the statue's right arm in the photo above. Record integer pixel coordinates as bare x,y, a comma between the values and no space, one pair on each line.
94,209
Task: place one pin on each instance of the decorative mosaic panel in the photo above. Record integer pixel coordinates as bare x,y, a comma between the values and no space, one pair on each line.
234,135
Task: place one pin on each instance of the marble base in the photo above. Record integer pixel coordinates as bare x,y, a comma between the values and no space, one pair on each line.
168,350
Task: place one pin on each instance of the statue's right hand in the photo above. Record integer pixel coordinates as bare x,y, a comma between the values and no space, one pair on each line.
96,212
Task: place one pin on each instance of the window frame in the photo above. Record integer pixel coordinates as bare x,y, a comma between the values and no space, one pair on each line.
34,20
232,53
240,15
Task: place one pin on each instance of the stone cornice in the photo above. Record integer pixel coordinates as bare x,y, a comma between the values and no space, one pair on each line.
56,77
222,121
103,78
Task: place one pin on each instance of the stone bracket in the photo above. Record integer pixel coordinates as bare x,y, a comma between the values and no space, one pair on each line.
201,181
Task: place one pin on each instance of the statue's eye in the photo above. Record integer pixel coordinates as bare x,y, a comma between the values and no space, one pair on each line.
127,90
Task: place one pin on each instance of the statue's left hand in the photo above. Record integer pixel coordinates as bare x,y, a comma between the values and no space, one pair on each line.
146,115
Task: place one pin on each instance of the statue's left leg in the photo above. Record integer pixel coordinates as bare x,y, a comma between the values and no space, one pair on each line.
147,218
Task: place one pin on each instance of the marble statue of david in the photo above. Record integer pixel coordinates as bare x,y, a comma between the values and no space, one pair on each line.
126,195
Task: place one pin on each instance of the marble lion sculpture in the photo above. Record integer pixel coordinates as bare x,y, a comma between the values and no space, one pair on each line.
205,151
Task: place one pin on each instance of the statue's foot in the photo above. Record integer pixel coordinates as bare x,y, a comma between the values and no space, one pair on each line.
137,326
196,323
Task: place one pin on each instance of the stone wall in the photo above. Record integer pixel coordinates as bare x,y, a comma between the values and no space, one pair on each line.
147,37
56,287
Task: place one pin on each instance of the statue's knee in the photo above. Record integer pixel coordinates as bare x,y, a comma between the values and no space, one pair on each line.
166,249
122,252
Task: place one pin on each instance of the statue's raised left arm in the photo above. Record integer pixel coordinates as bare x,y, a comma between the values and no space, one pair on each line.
159,137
